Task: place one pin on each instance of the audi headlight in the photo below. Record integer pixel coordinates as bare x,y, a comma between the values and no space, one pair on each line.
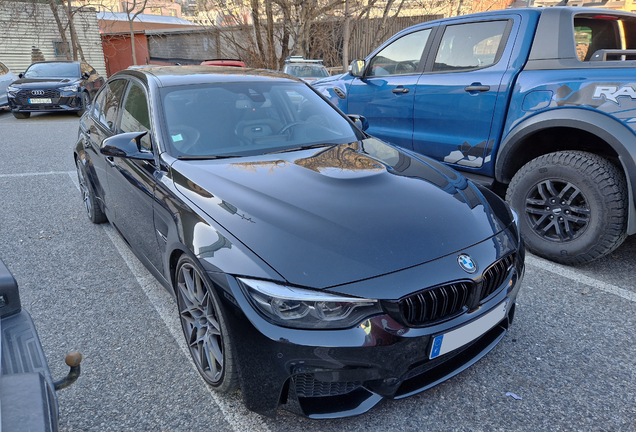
301,308
72,87
12,90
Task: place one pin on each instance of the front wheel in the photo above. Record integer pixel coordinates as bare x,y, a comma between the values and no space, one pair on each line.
86,101
572,206
204,327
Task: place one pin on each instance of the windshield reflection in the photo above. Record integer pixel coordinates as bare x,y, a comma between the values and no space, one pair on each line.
249,118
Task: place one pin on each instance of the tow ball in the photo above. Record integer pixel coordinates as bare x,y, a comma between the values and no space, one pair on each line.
73,360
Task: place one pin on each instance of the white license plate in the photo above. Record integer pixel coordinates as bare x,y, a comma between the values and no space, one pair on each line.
39,101
454,339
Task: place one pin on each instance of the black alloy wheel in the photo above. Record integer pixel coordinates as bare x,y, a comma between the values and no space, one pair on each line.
204,327
572,206
558,210
93,210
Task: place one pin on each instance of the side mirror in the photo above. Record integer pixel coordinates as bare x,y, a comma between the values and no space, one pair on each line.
86,75
126,145
21,75
357,67
360,121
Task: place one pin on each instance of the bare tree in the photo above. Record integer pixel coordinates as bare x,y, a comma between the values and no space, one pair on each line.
60,28
136,7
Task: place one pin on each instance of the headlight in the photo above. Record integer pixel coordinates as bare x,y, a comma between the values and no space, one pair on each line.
300,308
13,90
73,87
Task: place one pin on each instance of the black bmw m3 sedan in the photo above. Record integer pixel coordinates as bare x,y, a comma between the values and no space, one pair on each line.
314,266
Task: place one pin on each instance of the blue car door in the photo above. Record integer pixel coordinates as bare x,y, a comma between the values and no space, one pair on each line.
384,95
457,94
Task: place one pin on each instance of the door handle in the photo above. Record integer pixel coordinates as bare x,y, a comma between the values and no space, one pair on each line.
477,88
400,90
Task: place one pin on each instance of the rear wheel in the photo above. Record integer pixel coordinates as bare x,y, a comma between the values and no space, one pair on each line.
95,213
204,327
22,115
572,206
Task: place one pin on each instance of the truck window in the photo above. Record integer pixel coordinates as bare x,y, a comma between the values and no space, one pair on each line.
401,56
469,46
604,32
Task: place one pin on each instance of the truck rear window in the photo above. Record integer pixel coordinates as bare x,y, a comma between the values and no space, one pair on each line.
604,37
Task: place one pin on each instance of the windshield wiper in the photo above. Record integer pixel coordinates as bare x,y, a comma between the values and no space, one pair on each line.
304,147
206,157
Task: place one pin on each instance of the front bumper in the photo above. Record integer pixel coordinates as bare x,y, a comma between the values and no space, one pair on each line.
339,373
62,101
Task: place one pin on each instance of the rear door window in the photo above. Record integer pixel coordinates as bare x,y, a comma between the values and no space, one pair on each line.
470,46
105,108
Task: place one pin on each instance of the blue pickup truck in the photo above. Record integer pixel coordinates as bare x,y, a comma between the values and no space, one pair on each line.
538,104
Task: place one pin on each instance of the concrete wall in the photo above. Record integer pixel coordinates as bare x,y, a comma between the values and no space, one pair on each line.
27,26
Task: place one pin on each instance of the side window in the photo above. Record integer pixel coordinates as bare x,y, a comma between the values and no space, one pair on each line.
401,56
470,46
134,115
582,39
3,69
593,33
107,102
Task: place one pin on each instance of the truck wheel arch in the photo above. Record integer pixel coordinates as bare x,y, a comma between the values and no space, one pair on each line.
617,140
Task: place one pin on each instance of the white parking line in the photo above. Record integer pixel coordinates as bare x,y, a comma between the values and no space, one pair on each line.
573,275
72,173
238,417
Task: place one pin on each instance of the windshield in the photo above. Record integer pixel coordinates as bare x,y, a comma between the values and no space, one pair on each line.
242,119
307,71
53,70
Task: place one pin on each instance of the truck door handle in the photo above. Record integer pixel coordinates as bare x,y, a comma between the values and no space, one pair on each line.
477,88
400,90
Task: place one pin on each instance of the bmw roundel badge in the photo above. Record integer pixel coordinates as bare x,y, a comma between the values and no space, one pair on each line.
467,263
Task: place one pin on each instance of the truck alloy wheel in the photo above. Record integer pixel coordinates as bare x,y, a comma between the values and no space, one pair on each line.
572,206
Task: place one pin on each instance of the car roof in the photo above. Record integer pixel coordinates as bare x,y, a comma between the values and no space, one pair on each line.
167,76
58,61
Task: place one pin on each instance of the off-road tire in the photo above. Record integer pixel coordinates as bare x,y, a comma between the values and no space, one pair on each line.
204,326
572,206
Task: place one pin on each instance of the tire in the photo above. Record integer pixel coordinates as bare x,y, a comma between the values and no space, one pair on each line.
204,327
572,206
95,213
86,100
22,115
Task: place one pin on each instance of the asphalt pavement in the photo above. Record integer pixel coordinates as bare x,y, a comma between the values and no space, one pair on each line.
567,364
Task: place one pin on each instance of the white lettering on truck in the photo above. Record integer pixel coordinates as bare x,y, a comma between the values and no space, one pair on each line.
611,93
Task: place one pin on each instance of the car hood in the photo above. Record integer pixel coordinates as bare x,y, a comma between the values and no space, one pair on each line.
331,216
27,83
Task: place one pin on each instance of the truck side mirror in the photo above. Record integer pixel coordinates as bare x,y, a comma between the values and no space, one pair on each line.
357,67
